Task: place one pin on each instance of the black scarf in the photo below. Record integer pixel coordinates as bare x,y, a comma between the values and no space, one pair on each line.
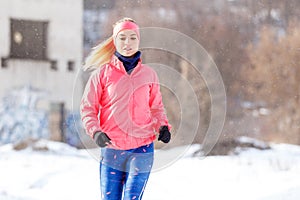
129,62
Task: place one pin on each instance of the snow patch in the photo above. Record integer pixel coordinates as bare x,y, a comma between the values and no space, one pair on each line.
64,172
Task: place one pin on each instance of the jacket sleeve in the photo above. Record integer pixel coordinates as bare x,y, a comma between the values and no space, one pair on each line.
90,104
156,106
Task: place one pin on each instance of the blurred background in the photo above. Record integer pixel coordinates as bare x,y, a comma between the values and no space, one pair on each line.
255,45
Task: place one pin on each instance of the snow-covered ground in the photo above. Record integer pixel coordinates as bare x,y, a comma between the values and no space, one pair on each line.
65,173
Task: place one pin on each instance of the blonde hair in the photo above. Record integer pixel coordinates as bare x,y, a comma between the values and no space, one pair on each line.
102,53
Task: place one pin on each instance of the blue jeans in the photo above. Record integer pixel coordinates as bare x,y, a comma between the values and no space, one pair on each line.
124,173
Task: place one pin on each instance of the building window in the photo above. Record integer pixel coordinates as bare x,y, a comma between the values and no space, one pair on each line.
28,39
71,65
53,65
4,62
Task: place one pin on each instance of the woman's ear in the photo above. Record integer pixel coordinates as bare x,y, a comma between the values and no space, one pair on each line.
114,40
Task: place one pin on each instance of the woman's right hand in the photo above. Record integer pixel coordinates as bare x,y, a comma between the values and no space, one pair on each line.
101,139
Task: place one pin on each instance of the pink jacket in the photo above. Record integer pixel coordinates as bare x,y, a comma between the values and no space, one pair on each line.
128,108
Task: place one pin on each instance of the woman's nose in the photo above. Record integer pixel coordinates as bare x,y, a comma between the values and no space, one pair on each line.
127,41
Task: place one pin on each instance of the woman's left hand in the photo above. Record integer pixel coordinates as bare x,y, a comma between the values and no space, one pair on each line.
164,134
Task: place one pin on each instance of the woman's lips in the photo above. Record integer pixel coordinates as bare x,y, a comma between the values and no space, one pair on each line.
127,49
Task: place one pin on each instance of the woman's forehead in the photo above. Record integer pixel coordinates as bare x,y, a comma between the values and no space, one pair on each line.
127,32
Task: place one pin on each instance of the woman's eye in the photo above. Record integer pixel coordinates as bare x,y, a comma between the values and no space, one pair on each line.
133,38
122,39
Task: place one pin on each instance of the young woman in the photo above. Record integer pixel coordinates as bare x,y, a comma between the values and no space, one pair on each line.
122,110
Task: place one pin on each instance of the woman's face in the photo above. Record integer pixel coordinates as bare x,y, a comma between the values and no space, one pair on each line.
127,43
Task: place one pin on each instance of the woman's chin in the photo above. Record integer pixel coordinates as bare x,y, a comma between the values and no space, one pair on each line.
128,53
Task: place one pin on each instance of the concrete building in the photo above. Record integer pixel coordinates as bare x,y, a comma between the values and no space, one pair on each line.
41,45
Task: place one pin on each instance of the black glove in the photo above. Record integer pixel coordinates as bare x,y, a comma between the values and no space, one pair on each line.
164,134
101,139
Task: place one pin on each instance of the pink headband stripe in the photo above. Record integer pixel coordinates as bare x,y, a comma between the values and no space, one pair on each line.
126,25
